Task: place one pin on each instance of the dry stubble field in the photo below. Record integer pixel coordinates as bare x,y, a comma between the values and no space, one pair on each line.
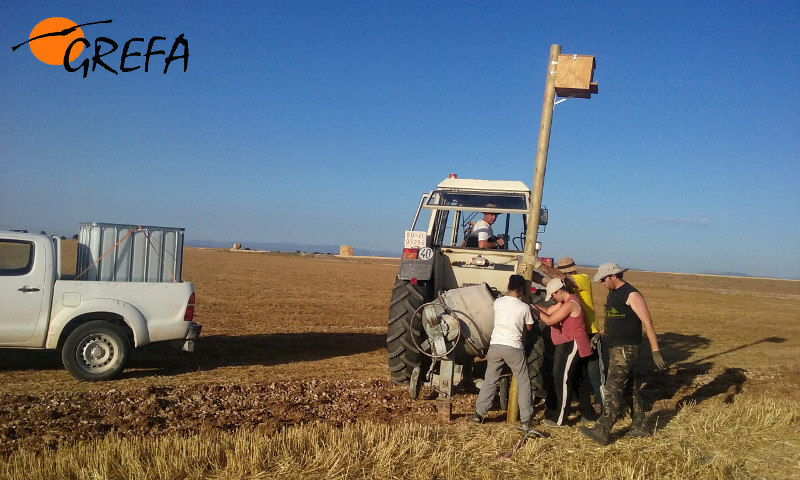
294,339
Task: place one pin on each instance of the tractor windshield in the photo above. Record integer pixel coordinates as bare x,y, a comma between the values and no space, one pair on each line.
454,214
484,201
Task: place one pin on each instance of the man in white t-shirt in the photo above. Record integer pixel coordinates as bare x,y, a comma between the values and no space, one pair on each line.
483,230
511,318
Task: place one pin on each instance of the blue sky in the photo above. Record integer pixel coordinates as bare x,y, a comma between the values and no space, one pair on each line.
323,122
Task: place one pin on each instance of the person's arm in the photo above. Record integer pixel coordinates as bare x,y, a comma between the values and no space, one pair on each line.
548,310
562,311
499,242
639,306
537,277
551,272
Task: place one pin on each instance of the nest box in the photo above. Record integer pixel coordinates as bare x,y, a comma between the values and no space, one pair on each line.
574,76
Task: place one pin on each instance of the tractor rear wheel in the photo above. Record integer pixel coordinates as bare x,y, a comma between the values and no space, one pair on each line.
535,360
402,333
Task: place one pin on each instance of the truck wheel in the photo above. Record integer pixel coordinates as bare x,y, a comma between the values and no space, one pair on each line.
402,333
95,351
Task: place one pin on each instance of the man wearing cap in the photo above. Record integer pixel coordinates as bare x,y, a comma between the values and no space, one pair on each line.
626,314
591,367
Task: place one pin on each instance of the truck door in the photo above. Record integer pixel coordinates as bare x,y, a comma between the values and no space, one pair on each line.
22,289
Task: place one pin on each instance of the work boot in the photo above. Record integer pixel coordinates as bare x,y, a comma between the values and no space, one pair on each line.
476,418
596,433
638,431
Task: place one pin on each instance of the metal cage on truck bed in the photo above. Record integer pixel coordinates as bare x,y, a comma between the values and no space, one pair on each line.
113,252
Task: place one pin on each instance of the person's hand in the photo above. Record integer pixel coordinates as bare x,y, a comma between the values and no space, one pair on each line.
595,338
658,361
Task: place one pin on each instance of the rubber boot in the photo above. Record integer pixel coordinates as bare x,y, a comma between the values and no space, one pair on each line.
638,431
638,424
598,433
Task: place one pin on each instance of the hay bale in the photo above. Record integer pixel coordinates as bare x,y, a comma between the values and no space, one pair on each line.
345,251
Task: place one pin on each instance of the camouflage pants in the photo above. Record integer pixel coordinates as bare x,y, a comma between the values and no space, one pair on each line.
622,386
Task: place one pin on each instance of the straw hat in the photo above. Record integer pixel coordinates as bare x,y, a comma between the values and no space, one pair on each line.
566,265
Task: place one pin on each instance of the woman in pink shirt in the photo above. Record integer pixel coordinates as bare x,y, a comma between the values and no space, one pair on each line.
568,332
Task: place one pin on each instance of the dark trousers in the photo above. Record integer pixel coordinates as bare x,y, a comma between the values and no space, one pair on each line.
566,362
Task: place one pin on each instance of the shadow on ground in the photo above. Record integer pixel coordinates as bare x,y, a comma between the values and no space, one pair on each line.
269,349
685,380
216,351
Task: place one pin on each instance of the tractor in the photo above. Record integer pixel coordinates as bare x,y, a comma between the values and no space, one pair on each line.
441,311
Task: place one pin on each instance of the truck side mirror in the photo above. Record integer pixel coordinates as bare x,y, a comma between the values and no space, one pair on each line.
543,216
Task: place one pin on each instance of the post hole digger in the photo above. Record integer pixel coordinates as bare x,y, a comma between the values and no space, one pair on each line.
528,433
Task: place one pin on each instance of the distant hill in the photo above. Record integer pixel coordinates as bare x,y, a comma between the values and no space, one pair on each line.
725,274
291,247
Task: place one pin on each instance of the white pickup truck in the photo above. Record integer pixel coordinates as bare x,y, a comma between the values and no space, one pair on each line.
94,322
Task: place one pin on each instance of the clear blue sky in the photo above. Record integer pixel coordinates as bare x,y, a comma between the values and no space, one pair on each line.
323,122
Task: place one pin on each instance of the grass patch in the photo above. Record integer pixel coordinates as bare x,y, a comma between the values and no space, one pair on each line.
754,437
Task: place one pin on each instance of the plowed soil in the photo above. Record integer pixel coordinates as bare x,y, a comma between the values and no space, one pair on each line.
296,338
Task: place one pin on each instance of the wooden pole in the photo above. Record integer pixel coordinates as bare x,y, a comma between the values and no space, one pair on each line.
512,415
536,190
541,163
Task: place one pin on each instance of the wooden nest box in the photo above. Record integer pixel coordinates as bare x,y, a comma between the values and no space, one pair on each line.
574,76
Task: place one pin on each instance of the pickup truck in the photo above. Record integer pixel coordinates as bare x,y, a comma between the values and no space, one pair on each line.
94,323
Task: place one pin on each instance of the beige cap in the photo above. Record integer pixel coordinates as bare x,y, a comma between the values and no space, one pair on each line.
606,269
553,286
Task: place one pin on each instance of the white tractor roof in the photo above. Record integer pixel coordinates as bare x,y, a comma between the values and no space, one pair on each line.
487,185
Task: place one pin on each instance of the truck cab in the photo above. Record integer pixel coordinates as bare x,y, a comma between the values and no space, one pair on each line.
27,276
446,218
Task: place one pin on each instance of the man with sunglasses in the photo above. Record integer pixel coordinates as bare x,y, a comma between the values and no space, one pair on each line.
626,313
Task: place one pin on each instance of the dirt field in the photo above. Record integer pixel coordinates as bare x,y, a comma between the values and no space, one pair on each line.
291,339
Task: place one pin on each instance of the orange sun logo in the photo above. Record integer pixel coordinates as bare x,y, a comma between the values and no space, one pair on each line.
50,38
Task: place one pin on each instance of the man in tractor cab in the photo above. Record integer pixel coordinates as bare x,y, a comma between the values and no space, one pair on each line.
483,230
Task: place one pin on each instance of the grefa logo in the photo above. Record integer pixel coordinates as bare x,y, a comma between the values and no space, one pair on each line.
59,41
